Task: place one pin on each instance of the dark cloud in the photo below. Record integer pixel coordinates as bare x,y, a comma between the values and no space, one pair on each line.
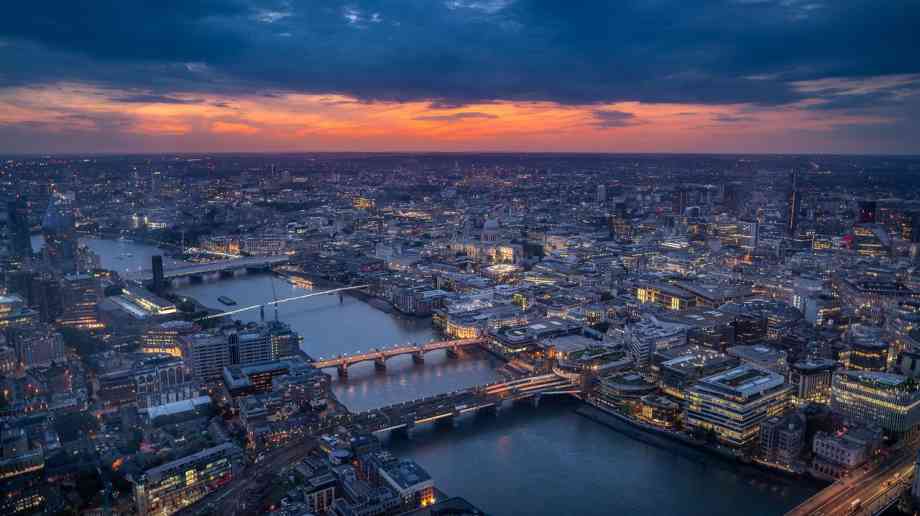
455,117
453,53
154,99
609,118
733,119
874,99
164,30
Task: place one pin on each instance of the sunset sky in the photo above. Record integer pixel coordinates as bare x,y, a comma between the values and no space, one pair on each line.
839,76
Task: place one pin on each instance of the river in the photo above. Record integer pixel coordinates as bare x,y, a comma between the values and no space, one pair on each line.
526,460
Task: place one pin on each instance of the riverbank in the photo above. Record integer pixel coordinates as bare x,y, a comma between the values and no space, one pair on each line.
377,302
674,441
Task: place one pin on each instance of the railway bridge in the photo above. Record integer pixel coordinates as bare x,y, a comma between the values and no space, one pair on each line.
444,407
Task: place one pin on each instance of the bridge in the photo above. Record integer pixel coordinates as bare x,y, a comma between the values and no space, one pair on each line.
445,407
868,494
216,267
277,302
380,356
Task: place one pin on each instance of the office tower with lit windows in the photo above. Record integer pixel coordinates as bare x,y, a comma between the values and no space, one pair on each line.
733,404
166,337
208,353
14,312
80,297
169,488
60,250
889,400
868,351
811,380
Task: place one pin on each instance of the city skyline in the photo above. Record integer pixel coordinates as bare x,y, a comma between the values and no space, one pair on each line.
499,75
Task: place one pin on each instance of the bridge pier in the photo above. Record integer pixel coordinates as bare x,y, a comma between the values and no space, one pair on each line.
491,410
380,364
343,371
453,352
447,422
535,400
405,431
418,357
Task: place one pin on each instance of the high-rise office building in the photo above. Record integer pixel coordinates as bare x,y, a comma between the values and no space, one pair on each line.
681,201
166,337
156,263
18,227
80,296
914,234
868,212
811,380
37,345
795,205
734,403
208,353
60,235
889,400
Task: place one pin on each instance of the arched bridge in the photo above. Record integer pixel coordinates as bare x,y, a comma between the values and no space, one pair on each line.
380,356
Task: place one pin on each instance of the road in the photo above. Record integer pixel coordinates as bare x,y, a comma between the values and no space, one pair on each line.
837,499
231,498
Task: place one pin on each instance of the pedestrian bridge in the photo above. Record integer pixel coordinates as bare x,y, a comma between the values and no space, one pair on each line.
380,356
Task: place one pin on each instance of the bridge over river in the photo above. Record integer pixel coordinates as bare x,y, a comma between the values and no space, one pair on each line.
380,355
867,493
212,268
406,416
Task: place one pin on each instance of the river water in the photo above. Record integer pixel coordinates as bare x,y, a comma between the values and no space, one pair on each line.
526,460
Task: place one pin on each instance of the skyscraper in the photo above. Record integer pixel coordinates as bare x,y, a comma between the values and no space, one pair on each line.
795,204
18,226
867,212
60,235
80,294
157,266
680,201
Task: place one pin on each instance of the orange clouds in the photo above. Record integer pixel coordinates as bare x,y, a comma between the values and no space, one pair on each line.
294,122
232,128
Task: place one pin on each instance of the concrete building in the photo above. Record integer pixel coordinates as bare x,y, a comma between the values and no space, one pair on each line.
37,345
649,335
782,440
838,453
762,356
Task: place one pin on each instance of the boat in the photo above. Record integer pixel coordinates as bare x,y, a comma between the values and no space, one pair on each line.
300,282
226,300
